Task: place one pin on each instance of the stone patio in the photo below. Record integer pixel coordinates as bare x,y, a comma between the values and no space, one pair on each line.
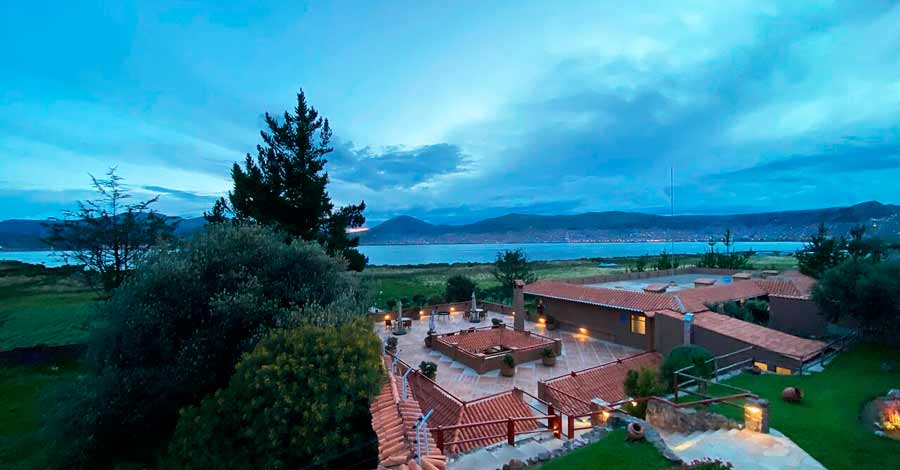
579,351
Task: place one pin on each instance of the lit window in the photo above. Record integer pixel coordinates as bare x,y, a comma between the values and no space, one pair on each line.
782,371
761,365
638,324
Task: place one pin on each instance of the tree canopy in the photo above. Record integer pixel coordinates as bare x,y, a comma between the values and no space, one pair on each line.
300,398
511,265
285,185
175,329
108,235
459,288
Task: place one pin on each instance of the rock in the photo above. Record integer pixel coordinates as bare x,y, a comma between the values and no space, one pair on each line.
544,456
880,433
894,393
516,464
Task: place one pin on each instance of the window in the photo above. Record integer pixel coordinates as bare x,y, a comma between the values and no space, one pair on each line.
638,324
782,371
761,366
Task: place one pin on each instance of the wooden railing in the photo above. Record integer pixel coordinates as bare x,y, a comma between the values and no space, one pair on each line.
832,349
553,423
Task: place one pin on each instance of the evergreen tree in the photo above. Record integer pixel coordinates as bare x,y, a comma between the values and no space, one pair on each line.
218,213
511,265
286,184
820,253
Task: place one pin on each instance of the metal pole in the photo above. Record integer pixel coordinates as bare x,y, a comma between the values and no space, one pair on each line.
403,382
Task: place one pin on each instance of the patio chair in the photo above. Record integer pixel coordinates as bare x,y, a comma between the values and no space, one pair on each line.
407,323
388,324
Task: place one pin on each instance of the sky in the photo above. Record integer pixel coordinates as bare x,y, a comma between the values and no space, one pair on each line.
457,111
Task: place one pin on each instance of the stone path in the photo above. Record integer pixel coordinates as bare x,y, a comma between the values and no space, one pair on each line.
746,450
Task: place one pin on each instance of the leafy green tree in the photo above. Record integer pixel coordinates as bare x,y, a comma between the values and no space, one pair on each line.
684,356
643,384
511,265
175,329
820,253
865,291
459,288
860,247
108,235
640,265
300,399
286,184
753,310
666,261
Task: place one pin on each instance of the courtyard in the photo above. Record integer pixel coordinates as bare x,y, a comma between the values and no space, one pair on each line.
578,351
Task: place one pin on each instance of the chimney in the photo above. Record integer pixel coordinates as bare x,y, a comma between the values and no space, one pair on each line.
741,276
688,326
704,282
519,305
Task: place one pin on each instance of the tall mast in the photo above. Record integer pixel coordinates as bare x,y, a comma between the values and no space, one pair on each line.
672,214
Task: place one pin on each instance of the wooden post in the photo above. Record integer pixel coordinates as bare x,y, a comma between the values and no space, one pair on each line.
675,376
571,422
511,432
439,437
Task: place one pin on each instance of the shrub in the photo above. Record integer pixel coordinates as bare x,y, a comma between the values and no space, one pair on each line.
429,369
642,384
509,360
548,353
496,321
391,344
300,399
707,464
175,329
684,356
459,288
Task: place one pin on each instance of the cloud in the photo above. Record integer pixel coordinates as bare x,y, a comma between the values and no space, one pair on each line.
395,167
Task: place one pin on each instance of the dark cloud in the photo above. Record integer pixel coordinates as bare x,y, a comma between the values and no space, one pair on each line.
184,195
394,167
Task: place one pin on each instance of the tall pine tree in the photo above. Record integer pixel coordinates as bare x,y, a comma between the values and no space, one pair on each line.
285,185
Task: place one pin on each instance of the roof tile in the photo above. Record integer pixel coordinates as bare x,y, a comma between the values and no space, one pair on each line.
614,298
759,336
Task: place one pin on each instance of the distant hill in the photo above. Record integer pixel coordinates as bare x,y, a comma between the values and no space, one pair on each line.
26,235
883,219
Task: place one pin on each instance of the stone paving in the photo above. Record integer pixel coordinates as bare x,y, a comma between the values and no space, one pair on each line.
579,351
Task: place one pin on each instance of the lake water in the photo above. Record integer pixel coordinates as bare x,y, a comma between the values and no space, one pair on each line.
482,253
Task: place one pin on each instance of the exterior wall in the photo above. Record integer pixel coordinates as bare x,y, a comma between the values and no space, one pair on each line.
719,344
796,316
668,417
602,322
481,363
668,333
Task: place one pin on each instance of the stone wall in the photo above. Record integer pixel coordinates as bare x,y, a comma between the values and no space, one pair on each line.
667,417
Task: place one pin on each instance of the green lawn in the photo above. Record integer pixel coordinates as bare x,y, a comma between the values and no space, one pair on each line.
612,452
42,306
826,424
20,411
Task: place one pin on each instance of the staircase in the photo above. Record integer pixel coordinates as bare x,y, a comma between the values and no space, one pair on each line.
531,448
744,449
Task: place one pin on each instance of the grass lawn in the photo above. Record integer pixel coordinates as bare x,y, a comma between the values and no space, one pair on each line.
20,411
612,452
42,306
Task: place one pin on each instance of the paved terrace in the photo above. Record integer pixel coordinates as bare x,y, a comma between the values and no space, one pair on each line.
578,352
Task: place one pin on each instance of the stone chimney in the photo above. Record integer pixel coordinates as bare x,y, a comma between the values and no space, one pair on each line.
519,305
688,327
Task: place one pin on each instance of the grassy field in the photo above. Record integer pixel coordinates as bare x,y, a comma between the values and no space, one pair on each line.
20,390
611,452
40,305
395,282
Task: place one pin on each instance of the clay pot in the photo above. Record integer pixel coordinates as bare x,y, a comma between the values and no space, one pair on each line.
549,361
507,371
635,431
792,395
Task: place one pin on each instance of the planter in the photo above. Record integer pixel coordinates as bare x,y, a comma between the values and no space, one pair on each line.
507,371
635,431
792,395
552,326
428,341
549,361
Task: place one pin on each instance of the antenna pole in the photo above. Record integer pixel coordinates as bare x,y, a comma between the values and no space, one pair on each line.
672,213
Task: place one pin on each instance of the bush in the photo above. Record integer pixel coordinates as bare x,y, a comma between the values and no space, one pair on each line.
301,398
459,289
548,353
496,321
429,369
707,464
641,385
175,329
509,360
391,344
684,356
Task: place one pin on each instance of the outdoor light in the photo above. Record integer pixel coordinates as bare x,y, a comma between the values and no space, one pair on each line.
421,312
605,415
754,409
633,403
541,320
387,317
583,331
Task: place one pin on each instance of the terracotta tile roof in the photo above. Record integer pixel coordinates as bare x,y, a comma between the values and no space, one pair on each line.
605,381
791,284
505,405
480,340
706,281
394,421
695,300
759,336
449,411
656,288
613,298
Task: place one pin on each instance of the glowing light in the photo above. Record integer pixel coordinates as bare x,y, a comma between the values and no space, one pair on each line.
753,409
387,317
542,320
582,331
605,415
633,403
421,312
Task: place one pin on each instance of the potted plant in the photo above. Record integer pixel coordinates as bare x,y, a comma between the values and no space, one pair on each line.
552,323
508,367
497,322
391,345
429,339
429,369
549,357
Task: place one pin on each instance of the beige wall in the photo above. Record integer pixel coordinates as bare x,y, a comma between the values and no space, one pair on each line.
602,322
796,316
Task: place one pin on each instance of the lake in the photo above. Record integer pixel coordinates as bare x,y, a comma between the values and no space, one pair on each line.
483,253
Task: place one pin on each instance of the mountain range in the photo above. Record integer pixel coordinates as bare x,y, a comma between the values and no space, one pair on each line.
882,220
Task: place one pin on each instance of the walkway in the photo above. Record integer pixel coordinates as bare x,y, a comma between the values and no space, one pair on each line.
746,450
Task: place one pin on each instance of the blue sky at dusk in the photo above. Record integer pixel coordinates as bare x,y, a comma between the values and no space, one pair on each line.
454,111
